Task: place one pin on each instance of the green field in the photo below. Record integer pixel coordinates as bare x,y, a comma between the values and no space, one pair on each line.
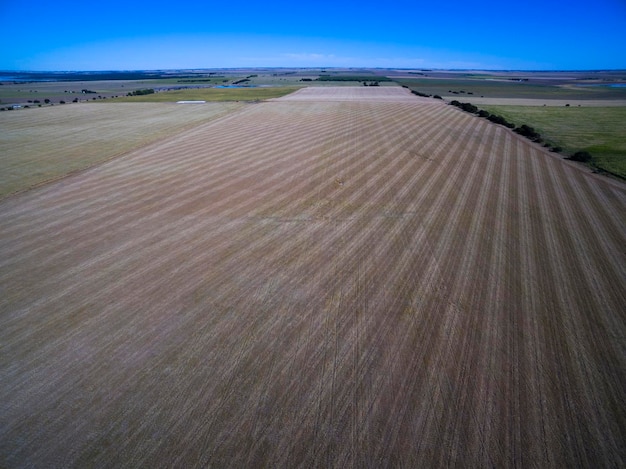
210,94
27,93
466,88
598,130
469,87
56,91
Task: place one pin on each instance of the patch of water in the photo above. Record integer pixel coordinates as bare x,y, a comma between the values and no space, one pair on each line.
606,85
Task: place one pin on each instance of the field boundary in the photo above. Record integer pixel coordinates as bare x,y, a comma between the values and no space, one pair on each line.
593,166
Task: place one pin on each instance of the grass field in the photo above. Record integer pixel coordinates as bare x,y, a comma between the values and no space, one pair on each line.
566,114
68,91
599,130
364,279
56,91
39,145
494,89
464,89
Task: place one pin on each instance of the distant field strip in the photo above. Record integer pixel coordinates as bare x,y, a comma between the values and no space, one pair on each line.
362,280
480,101
343,93
211,94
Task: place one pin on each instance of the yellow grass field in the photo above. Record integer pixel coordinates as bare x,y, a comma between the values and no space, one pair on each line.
211,94
39,145
336,278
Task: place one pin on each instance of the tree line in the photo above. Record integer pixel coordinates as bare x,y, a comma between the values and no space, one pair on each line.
523,130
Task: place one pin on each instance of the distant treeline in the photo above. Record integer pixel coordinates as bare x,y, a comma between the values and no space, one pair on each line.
97,76
523,130
244,80
141,92
423,95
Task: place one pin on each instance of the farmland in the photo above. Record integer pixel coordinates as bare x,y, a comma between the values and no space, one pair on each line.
576,111
211,94
340,277
598,130
546,87
34,88
45,144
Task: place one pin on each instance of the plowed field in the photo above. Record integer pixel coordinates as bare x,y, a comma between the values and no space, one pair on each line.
334,282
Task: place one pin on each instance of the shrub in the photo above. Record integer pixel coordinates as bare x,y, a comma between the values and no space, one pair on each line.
500,120
483,113
467,107
528,132
140,92
582,156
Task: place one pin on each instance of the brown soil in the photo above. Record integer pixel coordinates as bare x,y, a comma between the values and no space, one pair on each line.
317,284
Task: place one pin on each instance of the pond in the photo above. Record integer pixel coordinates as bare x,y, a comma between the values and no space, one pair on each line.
606,85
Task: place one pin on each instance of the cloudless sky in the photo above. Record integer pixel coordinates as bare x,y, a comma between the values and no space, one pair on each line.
491,34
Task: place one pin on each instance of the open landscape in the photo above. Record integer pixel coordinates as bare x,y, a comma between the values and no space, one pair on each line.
599,129
572,111
41,145
336,276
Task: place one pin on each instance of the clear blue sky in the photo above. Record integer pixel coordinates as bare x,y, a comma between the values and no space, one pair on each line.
491,34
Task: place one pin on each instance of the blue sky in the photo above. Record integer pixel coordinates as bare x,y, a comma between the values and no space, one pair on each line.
490,34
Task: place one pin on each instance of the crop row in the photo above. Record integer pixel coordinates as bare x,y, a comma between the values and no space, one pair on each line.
320,284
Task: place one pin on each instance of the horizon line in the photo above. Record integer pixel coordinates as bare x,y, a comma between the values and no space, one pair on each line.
334,67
